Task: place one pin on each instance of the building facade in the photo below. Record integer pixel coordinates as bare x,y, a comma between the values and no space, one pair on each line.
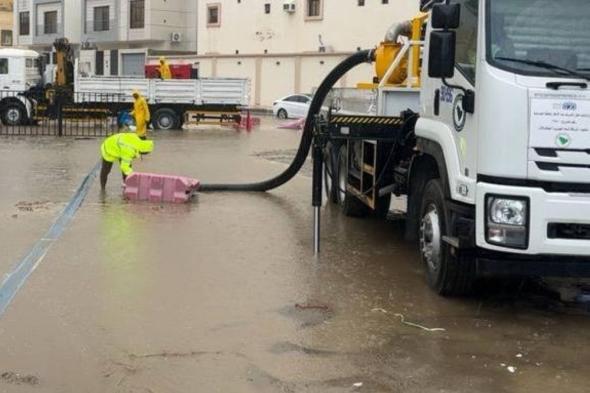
288,46
113,36
37,23
6,23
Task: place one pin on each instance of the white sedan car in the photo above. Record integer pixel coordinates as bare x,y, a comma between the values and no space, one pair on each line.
292,107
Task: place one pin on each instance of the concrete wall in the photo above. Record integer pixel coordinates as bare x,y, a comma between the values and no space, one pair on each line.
72,21
162,18
248,42
22,6
6,21
344,26
173,16
273,77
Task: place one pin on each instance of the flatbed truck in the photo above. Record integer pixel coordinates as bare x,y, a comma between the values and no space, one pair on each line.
26,95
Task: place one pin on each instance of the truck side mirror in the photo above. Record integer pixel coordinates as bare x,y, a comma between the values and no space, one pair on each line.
441,58
446,16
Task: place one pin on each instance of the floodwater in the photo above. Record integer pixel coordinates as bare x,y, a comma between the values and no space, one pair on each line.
224,294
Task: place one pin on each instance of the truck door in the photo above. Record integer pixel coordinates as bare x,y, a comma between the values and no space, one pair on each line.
5,80
452,110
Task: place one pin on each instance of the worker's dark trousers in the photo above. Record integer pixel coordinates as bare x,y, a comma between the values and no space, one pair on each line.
104,173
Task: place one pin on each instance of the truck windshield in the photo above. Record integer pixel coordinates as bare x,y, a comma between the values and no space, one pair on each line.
539,37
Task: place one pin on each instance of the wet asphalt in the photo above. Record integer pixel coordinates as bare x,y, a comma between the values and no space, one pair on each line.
224,294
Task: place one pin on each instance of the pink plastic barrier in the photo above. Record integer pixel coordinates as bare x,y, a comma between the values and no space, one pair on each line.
159,188
293,124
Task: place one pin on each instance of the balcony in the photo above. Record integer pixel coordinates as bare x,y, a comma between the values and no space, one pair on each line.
46,35
91,35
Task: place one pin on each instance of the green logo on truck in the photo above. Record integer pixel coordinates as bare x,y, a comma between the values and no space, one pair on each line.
563,140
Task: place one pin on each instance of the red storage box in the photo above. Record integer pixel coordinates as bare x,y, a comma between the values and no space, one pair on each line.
181,71
159,188
178,71
151,71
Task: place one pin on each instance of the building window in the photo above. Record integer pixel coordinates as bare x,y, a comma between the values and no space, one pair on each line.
137,14
50,22
267,8
101,18
6,37
24,24
3,66
213,15
361,3
314,9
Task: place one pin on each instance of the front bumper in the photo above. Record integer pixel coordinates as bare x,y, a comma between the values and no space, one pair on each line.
545,208
506,264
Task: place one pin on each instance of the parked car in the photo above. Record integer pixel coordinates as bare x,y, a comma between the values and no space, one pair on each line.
292,107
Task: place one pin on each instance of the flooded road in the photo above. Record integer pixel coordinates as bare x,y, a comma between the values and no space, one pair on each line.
224,294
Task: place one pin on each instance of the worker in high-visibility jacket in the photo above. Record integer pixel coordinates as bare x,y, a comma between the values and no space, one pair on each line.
141,114
164,69
124,148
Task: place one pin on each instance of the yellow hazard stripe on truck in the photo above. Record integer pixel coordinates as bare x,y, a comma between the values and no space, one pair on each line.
366,120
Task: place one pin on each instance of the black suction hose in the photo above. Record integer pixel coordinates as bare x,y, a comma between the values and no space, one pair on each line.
349,63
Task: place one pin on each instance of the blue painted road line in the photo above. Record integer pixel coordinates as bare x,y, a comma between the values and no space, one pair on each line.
14,280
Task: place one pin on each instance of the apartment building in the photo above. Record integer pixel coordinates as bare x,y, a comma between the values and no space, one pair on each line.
288,46
37,23
6,24
113,37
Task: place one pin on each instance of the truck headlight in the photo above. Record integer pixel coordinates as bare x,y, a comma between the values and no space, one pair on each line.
507,221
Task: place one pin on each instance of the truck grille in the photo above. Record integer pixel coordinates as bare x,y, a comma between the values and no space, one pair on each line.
559,165
568,231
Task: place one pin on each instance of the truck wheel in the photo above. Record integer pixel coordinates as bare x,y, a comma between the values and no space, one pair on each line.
166,119
446,273
13,114
331,173
351,206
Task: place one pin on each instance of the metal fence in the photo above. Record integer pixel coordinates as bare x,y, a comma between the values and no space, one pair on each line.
52,113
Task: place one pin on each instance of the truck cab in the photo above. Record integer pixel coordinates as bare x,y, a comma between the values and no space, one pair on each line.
491,153
505,119
19,69
19,72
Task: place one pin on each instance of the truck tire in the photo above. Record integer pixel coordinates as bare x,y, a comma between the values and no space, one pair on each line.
166,119
351,206
13,114
449,274
331,173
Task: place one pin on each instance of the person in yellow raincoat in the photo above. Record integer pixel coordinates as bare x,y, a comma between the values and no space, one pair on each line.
141,114
164,69
124,147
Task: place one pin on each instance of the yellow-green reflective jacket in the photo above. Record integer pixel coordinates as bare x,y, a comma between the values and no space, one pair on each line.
125,147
